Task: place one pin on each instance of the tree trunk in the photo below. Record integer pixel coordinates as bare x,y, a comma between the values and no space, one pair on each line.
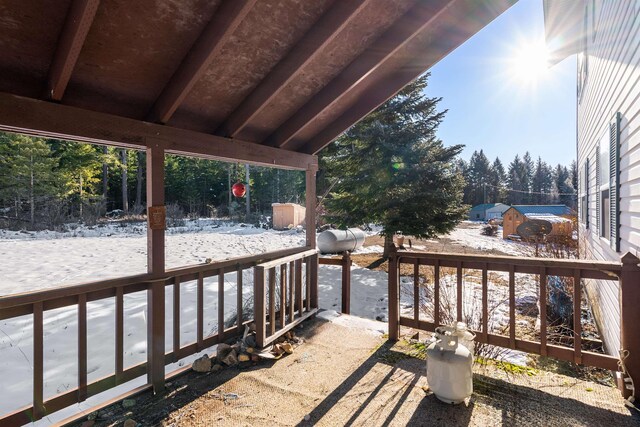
141,163
32,204
80,194
388,242
248,191
105,177
229,187
125,195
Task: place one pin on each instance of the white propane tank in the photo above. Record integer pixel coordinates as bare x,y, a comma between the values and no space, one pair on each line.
335,241
449,366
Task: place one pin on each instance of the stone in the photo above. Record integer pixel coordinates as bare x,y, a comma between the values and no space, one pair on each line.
244,358
250,350
231,359
217,367
202,364
307,417
130,423
88,423
222,351
255,358
128,403
287,347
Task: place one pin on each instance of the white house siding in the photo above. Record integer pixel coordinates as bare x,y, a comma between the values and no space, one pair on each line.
612,85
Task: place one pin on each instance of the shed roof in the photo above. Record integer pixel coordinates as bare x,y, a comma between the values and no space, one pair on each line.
543,209
483,206
285,74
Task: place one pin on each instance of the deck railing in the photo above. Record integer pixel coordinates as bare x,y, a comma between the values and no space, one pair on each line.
626,272
283,296
37,304
345,262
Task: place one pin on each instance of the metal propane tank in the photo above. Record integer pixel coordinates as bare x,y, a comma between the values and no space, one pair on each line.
450,363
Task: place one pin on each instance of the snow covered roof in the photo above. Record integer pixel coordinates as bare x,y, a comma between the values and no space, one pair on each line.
554,219
543,209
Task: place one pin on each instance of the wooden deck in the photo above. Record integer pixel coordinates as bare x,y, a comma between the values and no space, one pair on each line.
353,376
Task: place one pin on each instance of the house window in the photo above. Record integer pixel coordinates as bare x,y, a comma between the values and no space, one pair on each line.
604,181
584,194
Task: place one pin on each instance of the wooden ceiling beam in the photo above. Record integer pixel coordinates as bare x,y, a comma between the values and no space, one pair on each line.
46,119
321,34
224,22
76,27
419,57
412,23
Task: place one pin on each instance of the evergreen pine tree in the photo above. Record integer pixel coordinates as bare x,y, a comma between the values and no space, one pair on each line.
393,171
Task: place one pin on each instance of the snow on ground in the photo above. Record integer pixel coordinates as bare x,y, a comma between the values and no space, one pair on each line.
469,235
80,254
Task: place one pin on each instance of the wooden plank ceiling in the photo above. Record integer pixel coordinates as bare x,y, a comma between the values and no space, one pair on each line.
287,74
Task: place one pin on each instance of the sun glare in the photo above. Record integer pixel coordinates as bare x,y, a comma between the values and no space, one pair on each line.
529,63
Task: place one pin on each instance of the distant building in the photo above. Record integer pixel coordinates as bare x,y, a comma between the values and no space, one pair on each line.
558,215
479,212
496,211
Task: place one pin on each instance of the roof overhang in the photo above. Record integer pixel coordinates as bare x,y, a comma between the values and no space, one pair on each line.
564,27
248,80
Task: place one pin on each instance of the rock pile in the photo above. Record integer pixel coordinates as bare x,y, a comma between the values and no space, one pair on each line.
245,352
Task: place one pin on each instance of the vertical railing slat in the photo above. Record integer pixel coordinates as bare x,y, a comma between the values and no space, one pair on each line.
485,302
272,300
416,292
543,311
295,279
221,305
512,306
176,319
577,317
200,311
119,356
459,291
436,292
239,308
298,293
82,347
38,361
307,281
283,294
259,313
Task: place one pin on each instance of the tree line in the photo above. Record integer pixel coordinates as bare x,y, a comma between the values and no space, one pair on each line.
45,183
522,182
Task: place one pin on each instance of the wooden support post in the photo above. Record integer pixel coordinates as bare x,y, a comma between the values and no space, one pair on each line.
310,206
155,266
346,282
155,210
630,319
394,301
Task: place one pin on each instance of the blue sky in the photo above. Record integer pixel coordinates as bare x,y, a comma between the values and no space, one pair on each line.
493,107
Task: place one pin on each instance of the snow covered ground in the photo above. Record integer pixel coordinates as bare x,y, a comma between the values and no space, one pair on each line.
31,261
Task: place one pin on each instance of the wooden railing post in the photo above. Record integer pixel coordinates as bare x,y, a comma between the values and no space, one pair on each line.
630,318
259,309
313,277
346,282
394,301
155,335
